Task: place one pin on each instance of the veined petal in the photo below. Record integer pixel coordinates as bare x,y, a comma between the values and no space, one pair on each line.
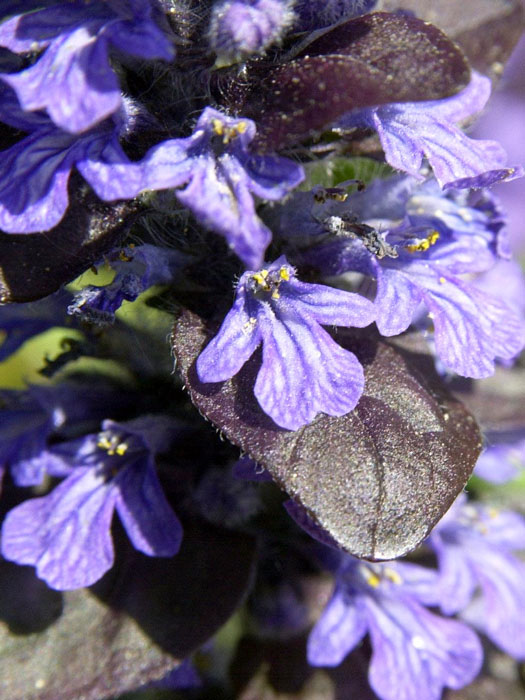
470,101
33,182
413,130
507,324
234,344
72,81
402,150
305,372
218,195
501,577
457,581
397,300
416,653
149,520
110,172
334,307
467,338
271,177
31,31
66,534
339,629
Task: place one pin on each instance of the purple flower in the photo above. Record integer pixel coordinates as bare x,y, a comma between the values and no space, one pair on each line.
506,281
66,535
408,131
428,242
503,462
27,419
474,545
73,79
415,654
220,175
506,107
34,173
241,28
137,269
304,371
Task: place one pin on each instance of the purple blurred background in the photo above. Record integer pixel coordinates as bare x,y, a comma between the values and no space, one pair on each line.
504,120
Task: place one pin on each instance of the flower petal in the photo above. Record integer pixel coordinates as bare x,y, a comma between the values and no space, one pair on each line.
65,534
148,518
234,344
304,372
73,81
339,629
416,653
34,174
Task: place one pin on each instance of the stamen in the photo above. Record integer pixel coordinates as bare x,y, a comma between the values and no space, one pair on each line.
423,244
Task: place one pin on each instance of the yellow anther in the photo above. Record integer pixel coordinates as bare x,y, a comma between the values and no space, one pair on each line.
228,132
112,446
249,325
104,443
442,280
121,449
393,576
284,274
218,127
423,243
275,294
260,277
493,513
373,580
124,257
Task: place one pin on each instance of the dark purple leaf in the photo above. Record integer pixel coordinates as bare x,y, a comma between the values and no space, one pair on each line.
486,30
128,630
370,60
35,265
378,479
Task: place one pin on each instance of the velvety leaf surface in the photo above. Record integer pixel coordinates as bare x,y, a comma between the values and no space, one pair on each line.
486,30
370,60
131,628
377,479
37,264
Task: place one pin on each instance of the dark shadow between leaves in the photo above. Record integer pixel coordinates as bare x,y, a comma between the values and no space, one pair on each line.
27,605
279,669
180,602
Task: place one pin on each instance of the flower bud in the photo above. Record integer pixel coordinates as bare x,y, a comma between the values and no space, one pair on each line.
243,28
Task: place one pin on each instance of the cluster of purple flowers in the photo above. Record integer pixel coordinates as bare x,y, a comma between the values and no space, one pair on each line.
125,97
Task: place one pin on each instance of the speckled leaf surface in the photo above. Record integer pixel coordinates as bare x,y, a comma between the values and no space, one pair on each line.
378,479
486,30
373,59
